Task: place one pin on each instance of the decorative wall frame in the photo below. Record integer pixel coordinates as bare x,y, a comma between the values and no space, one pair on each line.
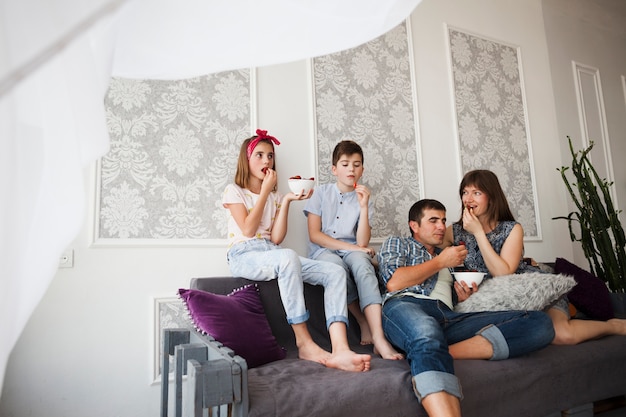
367,94
491,119
174,147
593,122
169,313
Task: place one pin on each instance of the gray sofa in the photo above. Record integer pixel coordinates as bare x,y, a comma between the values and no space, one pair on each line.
541,384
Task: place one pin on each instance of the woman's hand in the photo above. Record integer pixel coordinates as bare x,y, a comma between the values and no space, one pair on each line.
471,223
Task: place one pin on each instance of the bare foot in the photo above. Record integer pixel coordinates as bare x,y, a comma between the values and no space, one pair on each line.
619,325
347,360
312,352
386,351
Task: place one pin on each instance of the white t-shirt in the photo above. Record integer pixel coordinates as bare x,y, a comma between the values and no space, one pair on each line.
234,194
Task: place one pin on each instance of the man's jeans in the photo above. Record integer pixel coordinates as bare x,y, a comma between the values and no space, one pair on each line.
424,329
261,260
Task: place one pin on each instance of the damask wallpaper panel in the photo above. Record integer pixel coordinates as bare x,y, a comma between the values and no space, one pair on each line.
492,121
174,147
366,94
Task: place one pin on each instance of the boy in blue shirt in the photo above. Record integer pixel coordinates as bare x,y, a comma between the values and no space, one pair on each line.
338,217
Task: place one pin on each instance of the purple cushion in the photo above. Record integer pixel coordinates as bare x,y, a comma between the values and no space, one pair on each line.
590,295
237,320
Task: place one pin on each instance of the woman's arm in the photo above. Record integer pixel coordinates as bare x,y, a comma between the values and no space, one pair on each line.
507,261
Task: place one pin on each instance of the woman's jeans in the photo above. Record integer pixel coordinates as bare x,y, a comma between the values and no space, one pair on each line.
424,329
262,260
362,280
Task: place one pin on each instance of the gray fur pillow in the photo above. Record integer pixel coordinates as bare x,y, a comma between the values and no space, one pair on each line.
527,291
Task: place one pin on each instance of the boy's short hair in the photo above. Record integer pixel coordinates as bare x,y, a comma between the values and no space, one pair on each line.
346,147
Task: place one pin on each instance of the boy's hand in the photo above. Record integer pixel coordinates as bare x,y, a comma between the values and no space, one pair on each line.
370,251
362,194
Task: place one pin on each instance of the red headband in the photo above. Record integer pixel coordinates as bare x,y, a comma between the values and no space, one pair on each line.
261,135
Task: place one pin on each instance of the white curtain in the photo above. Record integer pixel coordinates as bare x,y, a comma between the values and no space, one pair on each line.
56,57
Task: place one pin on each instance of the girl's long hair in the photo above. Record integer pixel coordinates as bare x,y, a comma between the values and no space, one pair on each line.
242,175
486,181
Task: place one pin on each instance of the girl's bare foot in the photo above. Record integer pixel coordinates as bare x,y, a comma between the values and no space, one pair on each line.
347,360
386,351
619,325
312,352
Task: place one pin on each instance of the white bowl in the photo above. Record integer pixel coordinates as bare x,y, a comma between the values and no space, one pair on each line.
297,185
469,277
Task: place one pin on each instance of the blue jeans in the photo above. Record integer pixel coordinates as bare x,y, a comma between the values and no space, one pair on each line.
362,280
425,328
262,260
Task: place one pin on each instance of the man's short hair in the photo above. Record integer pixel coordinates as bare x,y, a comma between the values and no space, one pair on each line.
417,210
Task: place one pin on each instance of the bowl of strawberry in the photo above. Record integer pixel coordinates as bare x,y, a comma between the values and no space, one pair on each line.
299,185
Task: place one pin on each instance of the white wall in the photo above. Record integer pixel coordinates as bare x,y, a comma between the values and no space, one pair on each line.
87,350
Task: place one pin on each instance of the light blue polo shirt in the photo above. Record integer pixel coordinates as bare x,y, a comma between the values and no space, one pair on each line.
339,211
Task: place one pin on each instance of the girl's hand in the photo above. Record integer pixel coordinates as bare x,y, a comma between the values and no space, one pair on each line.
471,223
269,181
302,196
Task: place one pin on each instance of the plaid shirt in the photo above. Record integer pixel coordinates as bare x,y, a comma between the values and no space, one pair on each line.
397,252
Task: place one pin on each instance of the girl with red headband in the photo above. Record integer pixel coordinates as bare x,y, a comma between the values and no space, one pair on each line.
257,225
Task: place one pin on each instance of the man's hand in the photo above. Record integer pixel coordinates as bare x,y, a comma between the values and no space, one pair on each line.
463,291
452,256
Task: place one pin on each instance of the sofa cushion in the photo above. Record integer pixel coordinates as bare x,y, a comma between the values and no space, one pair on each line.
237,320
591,295
527,291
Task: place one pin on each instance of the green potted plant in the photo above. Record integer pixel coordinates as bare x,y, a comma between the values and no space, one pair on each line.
600,232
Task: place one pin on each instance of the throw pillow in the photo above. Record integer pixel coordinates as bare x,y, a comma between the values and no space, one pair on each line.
527,291
237,320
591,295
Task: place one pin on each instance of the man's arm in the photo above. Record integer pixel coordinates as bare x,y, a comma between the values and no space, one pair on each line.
399,272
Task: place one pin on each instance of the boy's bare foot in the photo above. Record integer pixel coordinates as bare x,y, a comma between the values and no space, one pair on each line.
312,352
347,360
386,351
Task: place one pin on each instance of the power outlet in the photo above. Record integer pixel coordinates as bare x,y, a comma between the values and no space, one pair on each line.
67,259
